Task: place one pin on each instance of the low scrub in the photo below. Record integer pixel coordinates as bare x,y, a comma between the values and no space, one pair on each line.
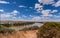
49,30
5,30
17,24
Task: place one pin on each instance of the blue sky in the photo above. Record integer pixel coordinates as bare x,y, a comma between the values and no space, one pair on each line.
32,10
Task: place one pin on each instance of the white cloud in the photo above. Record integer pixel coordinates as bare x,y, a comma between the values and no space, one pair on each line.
31,16
46,1
11,15
21,6
37,18
14,12
57,4
56,16
54,11
38,6
39,9
24,16
5,15
31,7
4,2
46,13
46,19
1,10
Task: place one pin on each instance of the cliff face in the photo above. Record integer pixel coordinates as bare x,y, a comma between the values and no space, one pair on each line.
21,34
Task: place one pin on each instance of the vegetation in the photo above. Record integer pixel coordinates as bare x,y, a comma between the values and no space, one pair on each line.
5,28
49,30
23,24
17,24
30,28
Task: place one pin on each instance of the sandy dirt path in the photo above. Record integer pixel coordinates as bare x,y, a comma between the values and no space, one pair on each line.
21,34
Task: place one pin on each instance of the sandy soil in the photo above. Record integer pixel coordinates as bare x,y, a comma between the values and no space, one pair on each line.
21,34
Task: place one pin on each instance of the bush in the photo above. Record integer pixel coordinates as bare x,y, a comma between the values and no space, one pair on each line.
9,31
30,28
49,30
2,27
5,30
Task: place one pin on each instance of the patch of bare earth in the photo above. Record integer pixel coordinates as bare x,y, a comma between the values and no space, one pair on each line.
21,34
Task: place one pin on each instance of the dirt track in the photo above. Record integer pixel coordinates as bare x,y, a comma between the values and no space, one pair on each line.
21,34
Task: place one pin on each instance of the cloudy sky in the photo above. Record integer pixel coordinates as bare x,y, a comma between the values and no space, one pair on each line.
34,10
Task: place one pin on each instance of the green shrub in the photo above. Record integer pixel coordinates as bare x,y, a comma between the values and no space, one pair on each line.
49,30
5,30
2,27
